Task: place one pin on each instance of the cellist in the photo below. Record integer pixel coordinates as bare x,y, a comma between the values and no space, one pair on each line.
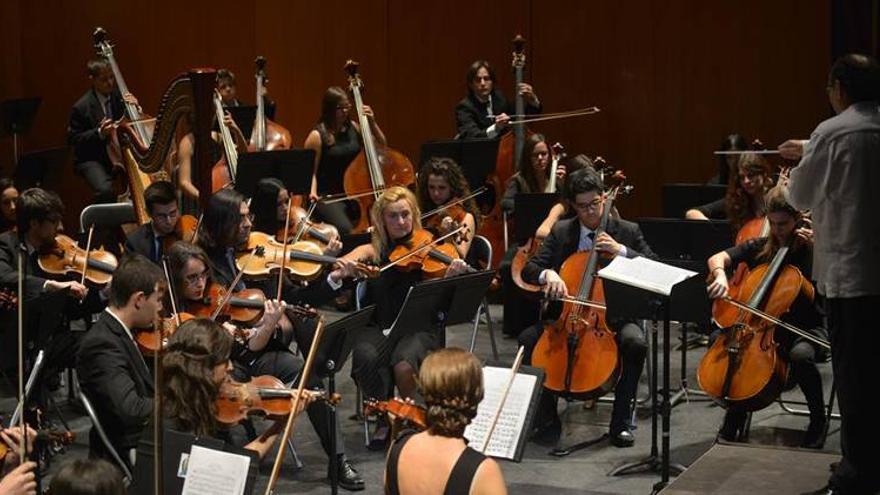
787,226
621,238
484,112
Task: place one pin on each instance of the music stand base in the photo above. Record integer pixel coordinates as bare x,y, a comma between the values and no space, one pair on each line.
651,464
564,451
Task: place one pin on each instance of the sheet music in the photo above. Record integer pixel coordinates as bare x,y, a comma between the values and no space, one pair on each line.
214,472
645,274
510,424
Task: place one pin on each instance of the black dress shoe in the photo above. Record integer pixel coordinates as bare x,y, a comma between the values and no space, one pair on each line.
349,478
548,433
379,440
825,490
623,438
814,438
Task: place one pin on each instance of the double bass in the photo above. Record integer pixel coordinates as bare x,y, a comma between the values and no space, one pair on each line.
223,172
375,167
267,135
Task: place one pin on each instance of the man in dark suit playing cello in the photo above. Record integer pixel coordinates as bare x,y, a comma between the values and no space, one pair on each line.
620,238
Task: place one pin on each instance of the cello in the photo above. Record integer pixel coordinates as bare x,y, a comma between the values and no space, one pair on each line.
374,168
267,135
579,351
223,172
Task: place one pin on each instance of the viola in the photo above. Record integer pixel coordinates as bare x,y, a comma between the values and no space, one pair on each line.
267,135
245,306
185,230
264,395
305,259
67,258
456,212
148,341
322,233
374,167
742,368
52,437
432,261
403,410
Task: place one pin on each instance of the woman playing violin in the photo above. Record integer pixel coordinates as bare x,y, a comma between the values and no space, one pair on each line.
396,216
336,140
787,227
269,205
439,460
441,181
745,194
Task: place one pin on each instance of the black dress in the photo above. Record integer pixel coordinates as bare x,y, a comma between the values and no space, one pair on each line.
460,479
335,159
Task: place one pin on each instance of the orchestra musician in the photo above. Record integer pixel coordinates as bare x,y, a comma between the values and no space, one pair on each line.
160,199
837,179
787,227
745,194
440,181
16,477
269,205
727,164
621,238
439,460
88,477
186,148
226,226
91,121
336,140
534,172
8,195
376,368
228,90
111,369
484,112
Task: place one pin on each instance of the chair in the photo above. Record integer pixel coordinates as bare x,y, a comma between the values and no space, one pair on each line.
481,254
87,405
106,215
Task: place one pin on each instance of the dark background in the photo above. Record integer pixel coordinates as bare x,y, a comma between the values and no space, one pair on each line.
671,77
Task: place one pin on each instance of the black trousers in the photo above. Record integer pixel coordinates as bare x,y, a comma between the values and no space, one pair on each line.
99,179
632,349
855,340
372,361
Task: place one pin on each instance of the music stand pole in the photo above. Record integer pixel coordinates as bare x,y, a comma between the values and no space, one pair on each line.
331,417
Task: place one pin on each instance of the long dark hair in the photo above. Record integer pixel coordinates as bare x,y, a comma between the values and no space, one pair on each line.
178,256
526,171
189,394
264,205
472,73
221,220
333,96
737,202
449,170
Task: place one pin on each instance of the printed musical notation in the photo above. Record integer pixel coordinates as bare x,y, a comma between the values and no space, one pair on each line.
511,423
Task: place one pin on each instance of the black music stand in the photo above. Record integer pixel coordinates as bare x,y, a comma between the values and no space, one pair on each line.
335,346
687,302
292,167
16,118
679,198
244,117
529,211
42,168
476,157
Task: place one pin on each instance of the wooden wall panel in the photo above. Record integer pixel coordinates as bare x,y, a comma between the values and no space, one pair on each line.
672,78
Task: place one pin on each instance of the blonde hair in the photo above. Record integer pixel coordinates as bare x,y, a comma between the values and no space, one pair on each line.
451,382
380,238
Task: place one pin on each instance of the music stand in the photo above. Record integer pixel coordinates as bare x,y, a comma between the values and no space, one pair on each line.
16,118
529,211
42,168
679,198
687,302
292,167
244,117
475,157
335,347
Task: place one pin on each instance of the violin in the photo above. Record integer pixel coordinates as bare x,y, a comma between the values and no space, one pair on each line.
264,395
322,233
67,258
432,261
374,165
52,437
305,259
267,135
245,306
185,230
148,341
411,413
742,368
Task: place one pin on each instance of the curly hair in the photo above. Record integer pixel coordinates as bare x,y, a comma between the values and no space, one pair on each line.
189,392
737,202
451,382
449,170
379,238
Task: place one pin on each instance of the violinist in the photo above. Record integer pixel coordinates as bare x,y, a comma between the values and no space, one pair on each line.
91,120
186,149
837,178
195,365
787,227
484,112
148,240
269,206
336,140
441,181
621,238
376,368
745,194
439,460
16,477
8,195
111,369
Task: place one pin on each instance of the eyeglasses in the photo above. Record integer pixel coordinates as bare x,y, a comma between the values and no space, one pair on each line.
166,216
249,217
594,204
194,278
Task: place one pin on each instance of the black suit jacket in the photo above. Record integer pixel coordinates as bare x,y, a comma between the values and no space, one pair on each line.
82,128
35,277
143,241
563,242
470,114
114,376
